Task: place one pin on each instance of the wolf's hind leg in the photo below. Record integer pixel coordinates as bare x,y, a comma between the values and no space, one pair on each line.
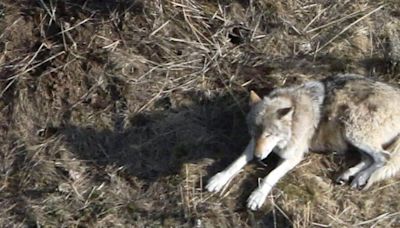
351,172
378,160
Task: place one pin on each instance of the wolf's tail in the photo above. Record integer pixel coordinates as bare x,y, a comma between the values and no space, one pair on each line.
391,167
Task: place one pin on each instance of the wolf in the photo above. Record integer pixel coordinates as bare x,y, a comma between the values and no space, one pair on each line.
345,114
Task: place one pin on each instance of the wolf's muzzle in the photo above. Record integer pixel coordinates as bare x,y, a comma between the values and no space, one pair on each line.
264,146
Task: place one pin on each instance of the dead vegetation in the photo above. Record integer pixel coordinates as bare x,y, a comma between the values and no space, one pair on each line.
114,113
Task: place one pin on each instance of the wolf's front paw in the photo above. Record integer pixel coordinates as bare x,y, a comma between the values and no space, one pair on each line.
256,199
218,181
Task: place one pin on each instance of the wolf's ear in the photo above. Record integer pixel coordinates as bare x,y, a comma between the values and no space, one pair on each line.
316,89
254,98
285,113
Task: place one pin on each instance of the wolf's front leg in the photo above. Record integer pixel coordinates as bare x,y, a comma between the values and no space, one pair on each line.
218,181
258,196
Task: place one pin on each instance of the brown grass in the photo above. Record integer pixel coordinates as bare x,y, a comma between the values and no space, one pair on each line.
115,113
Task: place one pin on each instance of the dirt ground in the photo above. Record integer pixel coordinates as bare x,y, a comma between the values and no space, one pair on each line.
117,112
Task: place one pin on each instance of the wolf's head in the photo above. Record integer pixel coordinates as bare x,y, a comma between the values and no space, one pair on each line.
269,122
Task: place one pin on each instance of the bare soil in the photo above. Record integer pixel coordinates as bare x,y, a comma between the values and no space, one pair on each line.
117,112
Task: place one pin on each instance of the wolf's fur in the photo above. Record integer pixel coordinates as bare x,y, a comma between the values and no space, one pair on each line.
336,114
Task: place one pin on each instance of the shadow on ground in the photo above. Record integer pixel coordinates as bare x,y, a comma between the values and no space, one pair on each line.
156,144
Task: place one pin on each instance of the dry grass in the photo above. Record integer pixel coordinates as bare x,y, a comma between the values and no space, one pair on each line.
115,113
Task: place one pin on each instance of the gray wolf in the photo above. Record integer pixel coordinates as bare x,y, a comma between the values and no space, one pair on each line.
331,115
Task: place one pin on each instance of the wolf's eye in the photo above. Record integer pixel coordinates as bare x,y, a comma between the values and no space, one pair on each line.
266,135
283,112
